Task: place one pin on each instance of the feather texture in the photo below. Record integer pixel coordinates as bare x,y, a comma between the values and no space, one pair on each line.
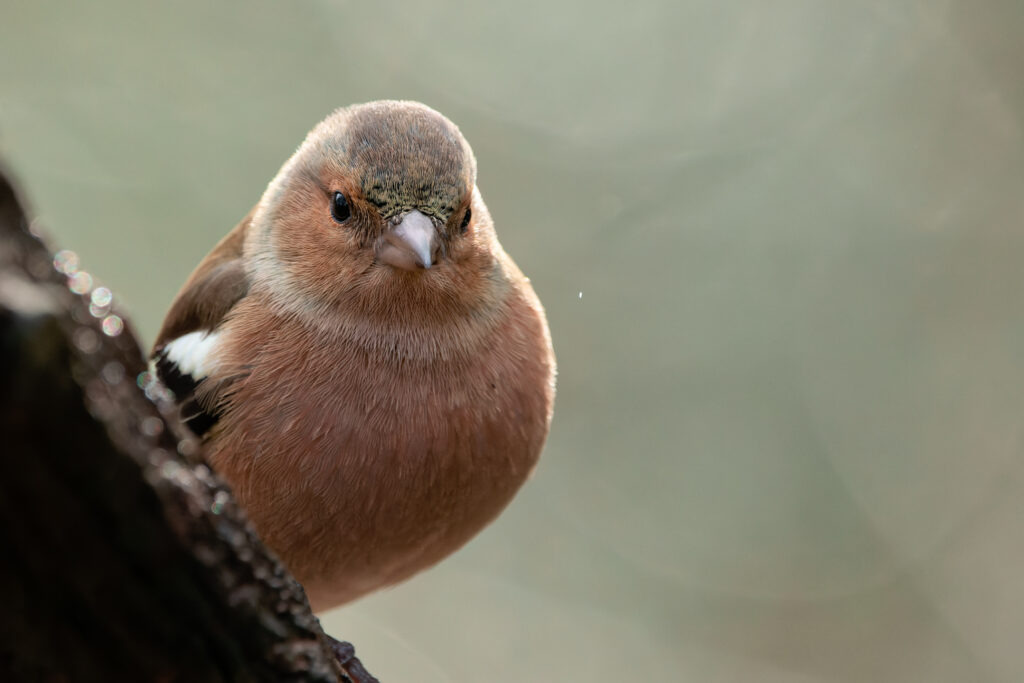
371,417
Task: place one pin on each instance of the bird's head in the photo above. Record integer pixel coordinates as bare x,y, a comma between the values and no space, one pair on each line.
378,207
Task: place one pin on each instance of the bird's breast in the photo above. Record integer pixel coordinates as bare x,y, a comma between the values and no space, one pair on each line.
360,466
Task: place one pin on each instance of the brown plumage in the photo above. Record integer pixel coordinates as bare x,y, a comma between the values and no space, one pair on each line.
372,373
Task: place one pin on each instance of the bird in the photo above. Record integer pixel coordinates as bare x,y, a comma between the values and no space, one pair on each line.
365,365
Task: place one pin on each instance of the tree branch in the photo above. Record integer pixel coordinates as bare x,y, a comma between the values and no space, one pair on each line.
125,557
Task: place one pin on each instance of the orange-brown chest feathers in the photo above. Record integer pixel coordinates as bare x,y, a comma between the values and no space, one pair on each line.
363,458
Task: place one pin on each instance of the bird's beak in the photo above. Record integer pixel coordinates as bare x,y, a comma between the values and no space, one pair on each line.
409,244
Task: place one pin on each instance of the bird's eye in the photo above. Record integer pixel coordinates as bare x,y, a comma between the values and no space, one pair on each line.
466,219
339,208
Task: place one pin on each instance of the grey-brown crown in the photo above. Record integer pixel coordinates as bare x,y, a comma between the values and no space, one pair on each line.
404,155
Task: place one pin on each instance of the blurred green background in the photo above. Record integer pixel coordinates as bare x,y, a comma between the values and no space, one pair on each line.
780,246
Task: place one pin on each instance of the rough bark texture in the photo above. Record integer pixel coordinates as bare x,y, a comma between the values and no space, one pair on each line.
122,556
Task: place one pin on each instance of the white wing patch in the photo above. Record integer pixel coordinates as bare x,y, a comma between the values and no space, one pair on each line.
194,353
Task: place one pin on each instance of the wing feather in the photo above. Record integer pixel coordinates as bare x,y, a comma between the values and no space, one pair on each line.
185,349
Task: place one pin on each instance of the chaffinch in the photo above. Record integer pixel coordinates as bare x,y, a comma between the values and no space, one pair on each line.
368,369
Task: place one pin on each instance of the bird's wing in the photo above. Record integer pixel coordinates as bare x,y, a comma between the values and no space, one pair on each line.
185,347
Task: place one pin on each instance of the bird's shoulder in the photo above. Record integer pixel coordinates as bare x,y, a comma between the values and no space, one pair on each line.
185,349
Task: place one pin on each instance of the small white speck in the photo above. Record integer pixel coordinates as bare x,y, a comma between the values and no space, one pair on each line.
80,282
581,295
101,297
112,325
66,261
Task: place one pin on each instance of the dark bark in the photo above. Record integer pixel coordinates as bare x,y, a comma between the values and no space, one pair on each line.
122,556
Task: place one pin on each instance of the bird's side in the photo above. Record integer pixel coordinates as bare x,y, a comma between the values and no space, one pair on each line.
368,368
